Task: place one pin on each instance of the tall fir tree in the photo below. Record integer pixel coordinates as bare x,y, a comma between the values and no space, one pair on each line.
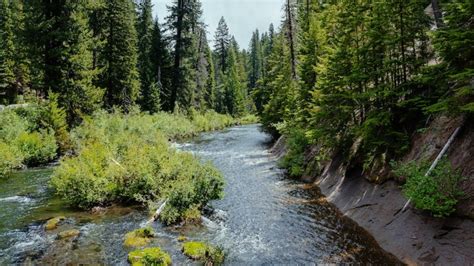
62,55
149,89
183,23
161,69
7,60
255,60
222,42
120,75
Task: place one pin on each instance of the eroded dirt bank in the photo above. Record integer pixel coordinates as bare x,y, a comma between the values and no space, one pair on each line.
414,237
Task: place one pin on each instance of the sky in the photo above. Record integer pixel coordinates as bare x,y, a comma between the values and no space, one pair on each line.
242,16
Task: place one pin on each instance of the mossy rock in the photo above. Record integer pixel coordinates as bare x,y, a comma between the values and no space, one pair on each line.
182,238
203,252
53,223
69,234
149,256
139,238
195,250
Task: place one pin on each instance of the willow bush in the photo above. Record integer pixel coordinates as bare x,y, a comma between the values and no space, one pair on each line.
127,159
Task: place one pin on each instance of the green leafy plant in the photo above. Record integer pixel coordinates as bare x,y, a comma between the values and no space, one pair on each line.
438,192
10,158
37,147
127,159
297,142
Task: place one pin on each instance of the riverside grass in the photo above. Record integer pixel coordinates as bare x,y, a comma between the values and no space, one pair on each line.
118,158
126,158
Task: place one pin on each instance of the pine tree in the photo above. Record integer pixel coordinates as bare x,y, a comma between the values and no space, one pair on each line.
7,62
120,76
184,24
62,58
210,94
234,89
161,69
453,42
203,72
255,61
145,65
222,42
21,56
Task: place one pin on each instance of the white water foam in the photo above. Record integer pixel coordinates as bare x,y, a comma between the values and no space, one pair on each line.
18,199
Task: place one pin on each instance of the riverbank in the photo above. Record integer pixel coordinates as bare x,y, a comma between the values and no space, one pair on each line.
413,236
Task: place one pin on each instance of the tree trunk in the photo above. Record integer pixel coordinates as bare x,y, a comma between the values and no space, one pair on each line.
438,15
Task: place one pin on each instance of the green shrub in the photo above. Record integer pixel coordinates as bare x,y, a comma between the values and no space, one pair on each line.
10,158
296,142
11,126
37,147
248,119
437,193
126,158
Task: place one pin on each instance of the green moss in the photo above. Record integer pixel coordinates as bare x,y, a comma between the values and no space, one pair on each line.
203,252
53,223
69,234
195,250
149,256
139,238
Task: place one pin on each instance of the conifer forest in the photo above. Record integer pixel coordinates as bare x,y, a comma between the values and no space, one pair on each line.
342,132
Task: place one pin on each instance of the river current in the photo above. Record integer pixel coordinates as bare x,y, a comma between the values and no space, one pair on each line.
264,218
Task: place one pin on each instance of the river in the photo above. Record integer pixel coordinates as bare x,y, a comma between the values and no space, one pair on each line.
264,217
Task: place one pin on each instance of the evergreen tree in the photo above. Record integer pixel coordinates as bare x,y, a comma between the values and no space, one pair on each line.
7,62
161,69
453,42
62,56
119,58
234,89
222,41
255,61
184,24
210,92
145,65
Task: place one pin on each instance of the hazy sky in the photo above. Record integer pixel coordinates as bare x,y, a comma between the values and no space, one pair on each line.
242,16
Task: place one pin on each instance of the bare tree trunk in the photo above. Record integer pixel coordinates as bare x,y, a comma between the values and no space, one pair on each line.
437,13
438,158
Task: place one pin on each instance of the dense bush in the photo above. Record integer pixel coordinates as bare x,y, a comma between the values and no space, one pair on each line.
437,192
37,147
25,138
10,158
126,158
296,142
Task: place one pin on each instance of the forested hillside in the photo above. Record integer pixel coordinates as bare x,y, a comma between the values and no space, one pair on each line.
100,102
106,54
361,78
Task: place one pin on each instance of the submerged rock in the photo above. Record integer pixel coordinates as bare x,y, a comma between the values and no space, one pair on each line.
139,238
69,234
149,256
53,223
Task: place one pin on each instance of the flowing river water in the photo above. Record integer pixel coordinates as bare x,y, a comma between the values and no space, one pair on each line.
264,217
